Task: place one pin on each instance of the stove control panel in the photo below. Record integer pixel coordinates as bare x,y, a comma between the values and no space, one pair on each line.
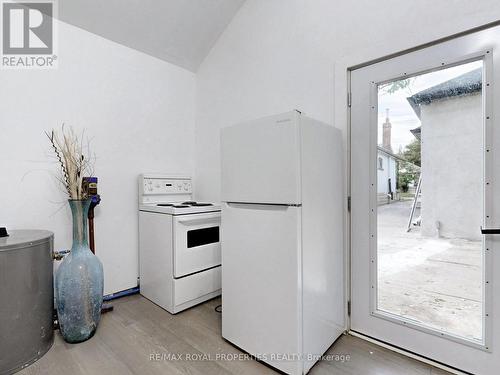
165,186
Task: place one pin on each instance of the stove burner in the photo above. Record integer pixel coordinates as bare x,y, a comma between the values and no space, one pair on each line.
184,204
197,204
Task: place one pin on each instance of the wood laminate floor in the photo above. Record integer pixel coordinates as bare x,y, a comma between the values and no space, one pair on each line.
140,338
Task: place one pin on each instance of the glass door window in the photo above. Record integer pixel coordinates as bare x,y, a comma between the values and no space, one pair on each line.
429,249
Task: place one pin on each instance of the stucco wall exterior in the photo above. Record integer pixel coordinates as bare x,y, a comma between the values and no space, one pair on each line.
452,172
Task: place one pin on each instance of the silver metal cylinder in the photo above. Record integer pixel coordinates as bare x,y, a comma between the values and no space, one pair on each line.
26,298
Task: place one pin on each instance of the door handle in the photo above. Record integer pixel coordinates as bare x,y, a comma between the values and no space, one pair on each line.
214,220
490,230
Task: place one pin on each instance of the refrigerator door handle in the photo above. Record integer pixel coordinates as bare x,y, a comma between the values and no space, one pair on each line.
243,204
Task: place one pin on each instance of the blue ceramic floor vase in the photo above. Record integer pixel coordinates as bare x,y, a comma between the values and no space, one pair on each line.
79,282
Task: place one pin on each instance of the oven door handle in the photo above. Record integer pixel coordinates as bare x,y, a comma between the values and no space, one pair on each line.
215,220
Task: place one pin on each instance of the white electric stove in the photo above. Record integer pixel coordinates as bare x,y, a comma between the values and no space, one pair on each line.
179,243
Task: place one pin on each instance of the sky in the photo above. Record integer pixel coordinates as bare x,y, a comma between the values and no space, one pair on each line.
401,115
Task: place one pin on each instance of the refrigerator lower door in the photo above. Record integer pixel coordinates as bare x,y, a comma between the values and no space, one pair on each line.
261,282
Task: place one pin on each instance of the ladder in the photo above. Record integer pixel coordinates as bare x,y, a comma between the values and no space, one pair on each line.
414,205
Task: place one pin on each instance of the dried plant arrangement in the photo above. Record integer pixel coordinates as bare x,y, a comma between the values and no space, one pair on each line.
73,161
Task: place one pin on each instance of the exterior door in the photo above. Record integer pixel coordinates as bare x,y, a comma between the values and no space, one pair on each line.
425,183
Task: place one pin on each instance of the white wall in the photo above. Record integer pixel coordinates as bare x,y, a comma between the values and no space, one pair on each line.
452,173
388,170
278,55
138,112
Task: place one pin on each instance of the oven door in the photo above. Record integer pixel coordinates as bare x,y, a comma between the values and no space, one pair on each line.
196,243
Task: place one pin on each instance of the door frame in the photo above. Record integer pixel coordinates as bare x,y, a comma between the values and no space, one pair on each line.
486,56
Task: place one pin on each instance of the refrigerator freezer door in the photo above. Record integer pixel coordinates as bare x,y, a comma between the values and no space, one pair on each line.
261,281
261,159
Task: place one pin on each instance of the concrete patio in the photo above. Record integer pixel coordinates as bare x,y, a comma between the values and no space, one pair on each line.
434,281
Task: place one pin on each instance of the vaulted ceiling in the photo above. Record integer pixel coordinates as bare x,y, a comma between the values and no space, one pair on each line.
181,32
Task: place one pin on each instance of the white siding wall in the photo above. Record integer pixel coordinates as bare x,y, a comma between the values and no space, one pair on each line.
383,175
392,172
452,155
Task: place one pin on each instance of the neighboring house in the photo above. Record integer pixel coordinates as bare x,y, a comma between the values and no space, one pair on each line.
386,166
451,132
386,175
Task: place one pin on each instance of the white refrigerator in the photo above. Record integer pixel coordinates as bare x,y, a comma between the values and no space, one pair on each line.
282,239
